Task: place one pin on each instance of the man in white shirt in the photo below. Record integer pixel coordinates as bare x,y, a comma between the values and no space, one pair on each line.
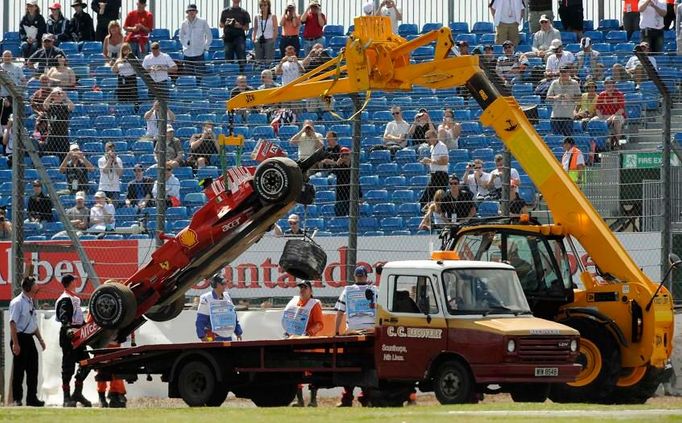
563,94
307,140
196,38
110,170
634,67
289,67
389,8
507,16
651,22
559,59
542,39
396,130
476,179
158,65
172,187
495,183
17,76
587,56
438,166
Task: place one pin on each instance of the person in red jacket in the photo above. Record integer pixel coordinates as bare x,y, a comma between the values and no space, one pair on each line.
611,109
138,24
314,21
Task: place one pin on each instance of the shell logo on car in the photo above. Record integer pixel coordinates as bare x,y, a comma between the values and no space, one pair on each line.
188,238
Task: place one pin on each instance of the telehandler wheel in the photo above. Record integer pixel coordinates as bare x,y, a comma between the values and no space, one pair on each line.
113,306
278,180
167,312
197,384
640,385
303,259
530,392
453,383
600,358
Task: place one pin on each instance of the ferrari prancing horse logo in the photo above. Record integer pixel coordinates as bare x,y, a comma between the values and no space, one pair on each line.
165,265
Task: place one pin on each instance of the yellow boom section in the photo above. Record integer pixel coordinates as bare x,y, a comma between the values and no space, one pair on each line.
378,59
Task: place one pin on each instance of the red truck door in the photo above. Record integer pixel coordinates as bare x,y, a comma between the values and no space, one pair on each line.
412,328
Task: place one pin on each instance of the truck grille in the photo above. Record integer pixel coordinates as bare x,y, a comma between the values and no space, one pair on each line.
548,349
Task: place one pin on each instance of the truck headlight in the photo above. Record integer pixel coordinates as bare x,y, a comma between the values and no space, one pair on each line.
511,346
574,345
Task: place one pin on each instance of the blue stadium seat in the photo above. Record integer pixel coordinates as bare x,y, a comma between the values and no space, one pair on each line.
406,155
409,210
569,37
186,81
616,36
142,147
485,154
333,30
384,210
489,209
111,134
366,224
384,170
379,156
459,27
595,36
407,29
471,39
392,224
608,24
194,199
403,196
483,28
414,169
598,128
370,182
91,48
327,210
376,196
325,197
208,172
337,224
395,182
159,34
263,131
431,26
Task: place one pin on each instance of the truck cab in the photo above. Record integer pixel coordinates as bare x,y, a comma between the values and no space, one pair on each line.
460,325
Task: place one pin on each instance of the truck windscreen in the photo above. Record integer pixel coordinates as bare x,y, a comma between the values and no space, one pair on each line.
484,291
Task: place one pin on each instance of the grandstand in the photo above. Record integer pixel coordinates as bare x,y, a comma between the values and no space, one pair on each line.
391,185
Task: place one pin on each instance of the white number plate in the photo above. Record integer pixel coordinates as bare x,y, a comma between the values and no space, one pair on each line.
546,371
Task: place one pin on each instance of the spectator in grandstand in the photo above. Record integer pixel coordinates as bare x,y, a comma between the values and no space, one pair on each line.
368,8
542,39
79,215
507,16
62,75
113,42
151,116
463,48
241,85
175,156
573,160
511,66
314,21
196,38
294,227
282,116
341,169
332,150
421,125
390,9
307,140
449,131
317,56
126,90
557,60
235,22
159,65
395,134
5,226
138,24
435,216
7,141
669,17
634,67
110,169
495,183
267,80
17,76
139,189
571,15
45,57
587,108
203,147
107,11
172,188
618,73
631,17
291,24
517,205
102,213
652,23
58,107
438,166
289,67
75,167
57,24
39,205
536,9
563,94
81,27
32,27
264,33
678,29
487,55
477,179
458,201
587,57
38,105
611,109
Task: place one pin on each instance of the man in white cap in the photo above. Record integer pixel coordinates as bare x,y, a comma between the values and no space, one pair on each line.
508,16
45,57
294,227
587,57
390,9
111,170
159,64
76,167
79,215
557,60
174,152
537,8
196,38
543,38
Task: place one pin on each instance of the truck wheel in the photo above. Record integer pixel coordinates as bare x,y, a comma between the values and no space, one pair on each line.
530,392
640,391
218,397
275,396
167,312
113,305
600,358
303,259
197,384
453,383
278,180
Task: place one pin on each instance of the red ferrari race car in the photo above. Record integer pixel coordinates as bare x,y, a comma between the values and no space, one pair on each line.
238,211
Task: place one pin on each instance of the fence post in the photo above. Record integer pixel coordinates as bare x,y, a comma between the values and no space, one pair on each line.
21,143
354,206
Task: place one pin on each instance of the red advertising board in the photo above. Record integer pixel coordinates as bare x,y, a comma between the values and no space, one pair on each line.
111,259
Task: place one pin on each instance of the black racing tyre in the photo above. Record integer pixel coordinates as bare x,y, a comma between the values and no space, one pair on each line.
167,312
642,390
453,383
278,180
219,396
113,305
600,358
303,259
274,396
529,392
197,384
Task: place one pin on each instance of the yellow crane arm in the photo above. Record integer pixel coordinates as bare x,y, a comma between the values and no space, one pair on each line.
377,59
